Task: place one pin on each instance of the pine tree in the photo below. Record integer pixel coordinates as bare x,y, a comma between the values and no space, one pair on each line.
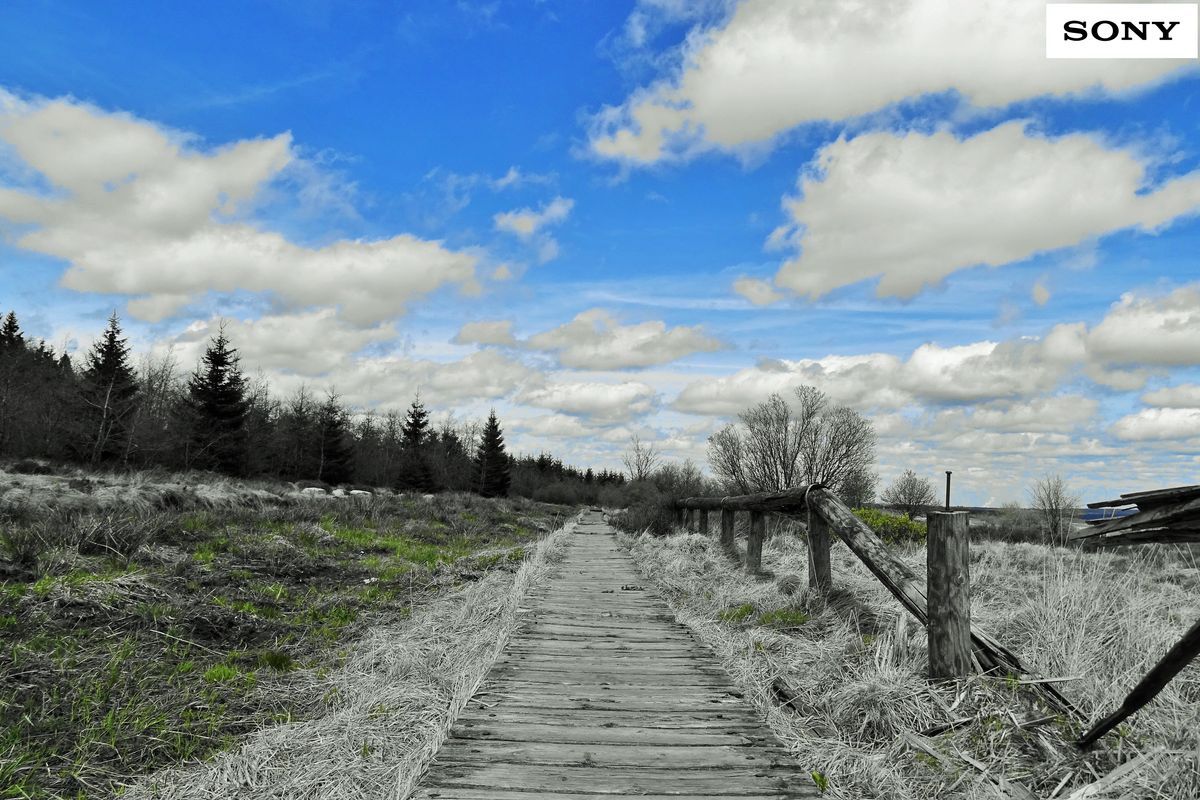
109,392
336,463
11,337
415,473
491,462
217,406
13,380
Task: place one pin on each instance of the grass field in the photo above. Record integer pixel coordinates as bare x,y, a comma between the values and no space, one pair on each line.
151,623
855,665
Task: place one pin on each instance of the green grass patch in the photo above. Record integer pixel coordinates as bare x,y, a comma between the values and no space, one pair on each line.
782,618
737,614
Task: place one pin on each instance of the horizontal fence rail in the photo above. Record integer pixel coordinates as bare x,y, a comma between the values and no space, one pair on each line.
825,515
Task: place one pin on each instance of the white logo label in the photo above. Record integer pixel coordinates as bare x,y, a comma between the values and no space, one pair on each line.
1121,30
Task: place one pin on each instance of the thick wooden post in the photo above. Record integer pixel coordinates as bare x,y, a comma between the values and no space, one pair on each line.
948,588
728,529
703,521
820,574
758,526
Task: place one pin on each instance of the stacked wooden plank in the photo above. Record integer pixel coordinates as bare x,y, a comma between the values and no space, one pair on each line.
1161,516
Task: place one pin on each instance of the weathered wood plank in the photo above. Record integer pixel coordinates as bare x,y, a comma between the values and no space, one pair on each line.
610,755
464,793
613,780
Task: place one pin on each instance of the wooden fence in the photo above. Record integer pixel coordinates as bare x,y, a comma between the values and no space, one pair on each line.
942,605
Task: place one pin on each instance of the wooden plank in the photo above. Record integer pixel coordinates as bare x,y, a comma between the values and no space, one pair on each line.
610,755
612,780
948,558
466,793
1154,517
615,719
652,699
1179,656
531,732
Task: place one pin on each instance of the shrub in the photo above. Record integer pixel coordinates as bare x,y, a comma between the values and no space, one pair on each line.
649,510
892,528
561,493
30,467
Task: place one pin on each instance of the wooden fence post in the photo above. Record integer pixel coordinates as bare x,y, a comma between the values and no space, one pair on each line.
948,590
820,574
728,530
758,526
691,520
679,514
703,522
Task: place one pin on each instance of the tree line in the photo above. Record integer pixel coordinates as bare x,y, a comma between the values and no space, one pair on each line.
107,412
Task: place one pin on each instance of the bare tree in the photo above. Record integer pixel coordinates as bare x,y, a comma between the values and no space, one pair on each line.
776,445
1055,505
909,493
640,459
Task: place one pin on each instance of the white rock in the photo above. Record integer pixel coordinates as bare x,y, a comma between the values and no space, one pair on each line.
359,493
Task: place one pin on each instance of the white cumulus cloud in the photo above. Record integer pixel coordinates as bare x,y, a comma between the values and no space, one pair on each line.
594,339
497,332
776,64
137,209
526,222
910,209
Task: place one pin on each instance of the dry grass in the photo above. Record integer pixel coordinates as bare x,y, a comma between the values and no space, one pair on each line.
396,697
855,665
139,639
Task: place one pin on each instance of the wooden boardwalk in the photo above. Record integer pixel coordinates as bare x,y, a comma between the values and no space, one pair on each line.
602,692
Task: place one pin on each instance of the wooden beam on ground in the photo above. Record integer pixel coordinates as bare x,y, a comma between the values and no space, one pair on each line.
1178,657
948,587
820,574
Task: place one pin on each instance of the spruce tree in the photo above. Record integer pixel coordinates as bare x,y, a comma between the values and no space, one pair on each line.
13,380
109,393
491,462
218,406
415,473
11,337
336,462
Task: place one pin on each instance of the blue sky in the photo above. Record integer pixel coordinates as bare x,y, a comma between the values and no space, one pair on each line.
619,218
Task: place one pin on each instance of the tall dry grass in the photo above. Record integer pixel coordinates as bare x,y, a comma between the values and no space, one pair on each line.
855,665
390,705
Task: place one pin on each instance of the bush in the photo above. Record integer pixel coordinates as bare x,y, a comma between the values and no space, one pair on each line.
892,528
30,467
561,493
648,510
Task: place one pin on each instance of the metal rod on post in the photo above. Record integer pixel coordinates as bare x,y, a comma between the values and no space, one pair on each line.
947,490
948,589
